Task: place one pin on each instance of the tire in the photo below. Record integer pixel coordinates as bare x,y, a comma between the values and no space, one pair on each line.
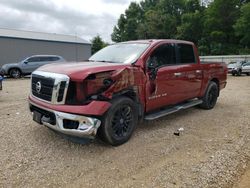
15,73
233,74
210,97
239,73
248,74
119,122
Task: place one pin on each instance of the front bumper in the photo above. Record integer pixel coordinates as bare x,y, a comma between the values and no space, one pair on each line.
231,71
66,123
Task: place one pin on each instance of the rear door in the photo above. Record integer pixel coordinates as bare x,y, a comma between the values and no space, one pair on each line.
188,73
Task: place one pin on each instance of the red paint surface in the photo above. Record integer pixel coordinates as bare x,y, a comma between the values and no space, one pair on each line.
166,89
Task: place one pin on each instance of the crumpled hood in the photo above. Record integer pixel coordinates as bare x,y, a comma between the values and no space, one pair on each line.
79,71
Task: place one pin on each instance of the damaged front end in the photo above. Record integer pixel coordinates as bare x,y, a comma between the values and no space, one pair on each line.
72,106
101,86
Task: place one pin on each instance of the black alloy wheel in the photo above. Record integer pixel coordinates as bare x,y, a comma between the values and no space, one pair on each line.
119,121
211,96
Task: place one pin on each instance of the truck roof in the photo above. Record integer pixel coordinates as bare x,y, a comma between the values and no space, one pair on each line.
154,41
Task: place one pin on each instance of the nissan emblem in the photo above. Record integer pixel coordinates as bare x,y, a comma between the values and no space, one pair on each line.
38,87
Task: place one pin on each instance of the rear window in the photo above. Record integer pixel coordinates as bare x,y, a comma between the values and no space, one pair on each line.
186,54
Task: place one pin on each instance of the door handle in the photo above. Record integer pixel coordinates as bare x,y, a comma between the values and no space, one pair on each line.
198,71
178,74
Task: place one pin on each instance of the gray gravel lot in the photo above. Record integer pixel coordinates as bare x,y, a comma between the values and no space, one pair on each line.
213,150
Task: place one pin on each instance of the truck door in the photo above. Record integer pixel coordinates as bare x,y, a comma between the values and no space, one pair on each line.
161,87
188,73
174,75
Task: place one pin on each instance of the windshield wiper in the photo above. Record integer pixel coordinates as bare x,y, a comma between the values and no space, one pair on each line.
104,61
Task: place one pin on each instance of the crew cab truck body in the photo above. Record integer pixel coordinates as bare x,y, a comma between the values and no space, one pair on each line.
122,84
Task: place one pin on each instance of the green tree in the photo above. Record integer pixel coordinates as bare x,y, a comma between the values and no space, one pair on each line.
157,26
220,17
119,32
242,26
97,44
191,27
128,24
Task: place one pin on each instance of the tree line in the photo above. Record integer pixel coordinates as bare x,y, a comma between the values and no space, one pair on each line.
216,27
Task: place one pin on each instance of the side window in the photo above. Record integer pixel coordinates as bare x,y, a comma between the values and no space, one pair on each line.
163,55
50,58
45,59
186,54
33,59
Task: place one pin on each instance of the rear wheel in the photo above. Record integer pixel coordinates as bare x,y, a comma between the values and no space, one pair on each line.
119,122
248,74
15,73
210,97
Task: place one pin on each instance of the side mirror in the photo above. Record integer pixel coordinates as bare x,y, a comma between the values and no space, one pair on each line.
150,64
26,62
152,68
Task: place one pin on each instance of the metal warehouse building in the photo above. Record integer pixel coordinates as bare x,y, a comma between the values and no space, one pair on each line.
15,45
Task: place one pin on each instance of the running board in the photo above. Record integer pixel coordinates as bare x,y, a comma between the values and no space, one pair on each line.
171,110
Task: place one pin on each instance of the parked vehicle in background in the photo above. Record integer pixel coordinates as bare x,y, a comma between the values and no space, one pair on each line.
246,68
28,65
122,84
236,68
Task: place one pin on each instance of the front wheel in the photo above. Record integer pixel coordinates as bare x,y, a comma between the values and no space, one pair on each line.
15,73
119,122
210,97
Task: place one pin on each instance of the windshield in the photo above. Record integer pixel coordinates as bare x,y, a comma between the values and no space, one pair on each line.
232,65
126,53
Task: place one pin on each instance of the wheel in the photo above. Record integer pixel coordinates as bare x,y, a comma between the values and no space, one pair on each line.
119,122
15,73
210,97
239,73
248,74
233,74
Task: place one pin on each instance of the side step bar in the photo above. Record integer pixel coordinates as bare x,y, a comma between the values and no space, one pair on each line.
167,111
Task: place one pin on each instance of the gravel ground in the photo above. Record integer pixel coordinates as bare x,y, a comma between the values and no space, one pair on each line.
213,150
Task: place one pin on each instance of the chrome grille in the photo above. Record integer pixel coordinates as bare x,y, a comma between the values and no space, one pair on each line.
49,87
46,89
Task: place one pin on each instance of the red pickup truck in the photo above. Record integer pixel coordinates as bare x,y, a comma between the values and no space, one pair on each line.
122,84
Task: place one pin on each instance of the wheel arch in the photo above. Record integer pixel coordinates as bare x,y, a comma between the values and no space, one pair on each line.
133,95
11,68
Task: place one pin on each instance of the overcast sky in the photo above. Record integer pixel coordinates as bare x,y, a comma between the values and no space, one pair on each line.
86,18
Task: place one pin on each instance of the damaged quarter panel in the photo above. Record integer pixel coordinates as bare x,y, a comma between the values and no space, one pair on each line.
128,78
